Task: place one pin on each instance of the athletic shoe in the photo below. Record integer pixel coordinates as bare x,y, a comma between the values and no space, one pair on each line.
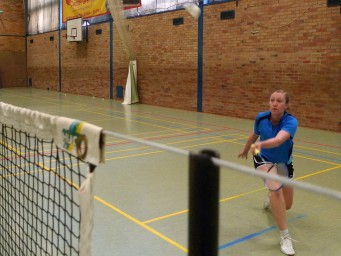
266,203
286,245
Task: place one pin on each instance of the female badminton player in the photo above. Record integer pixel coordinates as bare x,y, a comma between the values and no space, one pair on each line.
276,129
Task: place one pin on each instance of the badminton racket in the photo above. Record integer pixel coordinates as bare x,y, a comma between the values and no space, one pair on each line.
280,169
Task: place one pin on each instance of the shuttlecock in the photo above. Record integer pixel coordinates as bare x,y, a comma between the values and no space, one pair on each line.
193,10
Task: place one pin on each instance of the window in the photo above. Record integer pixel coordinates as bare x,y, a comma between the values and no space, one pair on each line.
42,16
331,3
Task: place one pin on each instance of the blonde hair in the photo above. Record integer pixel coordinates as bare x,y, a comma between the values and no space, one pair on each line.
286,95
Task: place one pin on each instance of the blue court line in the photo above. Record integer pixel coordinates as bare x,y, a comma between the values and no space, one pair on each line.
253,235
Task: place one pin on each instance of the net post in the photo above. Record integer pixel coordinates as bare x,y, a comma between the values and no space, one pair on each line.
203,204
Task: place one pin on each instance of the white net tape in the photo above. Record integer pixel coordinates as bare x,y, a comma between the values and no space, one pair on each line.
240,168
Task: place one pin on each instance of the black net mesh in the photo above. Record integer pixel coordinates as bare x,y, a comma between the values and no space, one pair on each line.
39,205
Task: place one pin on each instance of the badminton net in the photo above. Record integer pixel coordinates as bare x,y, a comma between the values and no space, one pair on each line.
46,174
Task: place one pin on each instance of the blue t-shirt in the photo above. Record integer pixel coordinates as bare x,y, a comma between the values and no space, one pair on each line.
264,128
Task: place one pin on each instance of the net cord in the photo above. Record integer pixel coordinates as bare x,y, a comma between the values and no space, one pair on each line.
238,167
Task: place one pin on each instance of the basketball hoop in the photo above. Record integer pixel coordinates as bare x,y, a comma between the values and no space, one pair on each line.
73,38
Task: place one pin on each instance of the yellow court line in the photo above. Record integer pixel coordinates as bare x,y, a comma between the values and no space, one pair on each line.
240,195
119,211
125,150
318,172
159,133
295,155
182,141
141,224
29,98
195,126
141,154
186,130
188,133
233,141
140,122
19,174
315,159
165,129
38,99
172,143
216,142
171,134
147,117
319,150
60,176
44,168
149,153
314,149
217,137
220,201
166,216
134,121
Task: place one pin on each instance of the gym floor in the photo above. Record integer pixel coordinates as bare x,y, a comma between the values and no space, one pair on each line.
141,193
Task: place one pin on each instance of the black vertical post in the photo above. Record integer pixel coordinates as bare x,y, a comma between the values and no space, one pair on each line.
200,56
111,60
203,204
59,50
26,33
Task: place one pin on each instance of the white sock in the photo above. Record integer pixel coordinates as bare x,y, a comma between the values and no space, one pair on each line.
284,232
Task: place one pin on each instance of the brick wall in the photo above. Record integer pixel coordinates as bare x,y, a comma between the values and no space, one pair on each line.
293,45
12,44
86,65
167,60
43,61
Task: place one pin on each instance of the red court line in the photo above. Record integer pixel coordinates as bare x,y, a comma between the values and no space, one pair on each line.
230,128
318,144
208,124
193,122
223,127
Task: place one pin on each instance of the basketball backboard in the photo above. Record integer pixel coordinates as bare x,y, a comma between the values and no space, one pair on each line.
74,30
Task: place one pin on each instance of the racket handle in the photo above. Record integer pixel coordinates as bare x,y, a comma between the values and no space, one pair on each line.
255,151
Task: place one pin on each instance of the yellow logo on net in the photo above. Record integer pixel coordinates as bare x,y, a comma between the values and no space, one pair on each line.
73,138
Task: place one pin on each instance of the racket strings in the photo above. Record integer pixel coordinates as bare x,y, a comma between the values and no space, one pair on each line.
277,170
260,161
272,168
